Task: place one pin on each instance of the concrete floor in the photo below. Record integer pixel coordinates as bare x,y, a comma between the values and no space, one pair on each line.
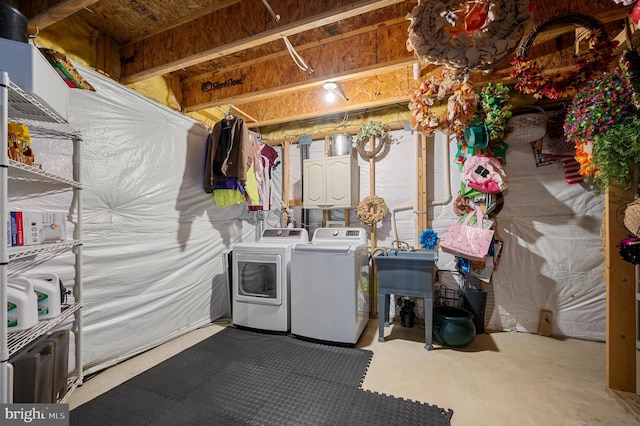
501,378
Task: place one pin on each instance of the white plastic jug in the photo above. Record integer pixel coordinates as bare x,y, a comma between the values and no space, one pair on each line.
47,288
22,305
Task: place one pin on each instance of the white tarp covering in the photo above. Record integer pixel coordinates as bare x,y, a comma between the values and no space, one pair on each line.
154,241
552,257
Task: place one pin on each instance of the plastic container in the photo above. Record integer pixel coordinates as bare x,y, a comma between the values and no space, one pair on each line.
30,70
47,288
60,340
33,374
13,24
22,305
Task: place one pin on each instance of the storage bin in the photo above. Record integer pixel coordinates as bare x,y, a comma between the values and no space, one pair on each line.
33,374
60,341
30,71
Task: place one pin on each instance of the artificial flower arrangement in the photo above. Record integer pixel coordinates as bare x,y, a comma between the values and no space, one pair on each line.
604,114
532,80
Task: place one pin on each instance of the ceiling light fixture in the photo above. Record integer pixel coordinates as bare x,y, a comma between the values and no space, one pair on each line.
333,90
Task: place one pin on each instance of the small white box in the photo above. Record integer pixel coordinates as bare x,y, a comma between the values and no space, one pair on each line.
30,70
43,227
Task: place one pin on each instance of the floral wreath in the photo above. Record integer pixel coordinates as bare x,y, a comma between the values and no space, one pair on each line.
371,210
374,128
467,35
531,79
462,101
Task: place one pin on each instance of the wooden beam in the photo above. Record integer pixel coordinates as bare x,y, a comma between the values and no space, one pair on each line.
621,300
42,13
378,89
364,54
103,54
232,30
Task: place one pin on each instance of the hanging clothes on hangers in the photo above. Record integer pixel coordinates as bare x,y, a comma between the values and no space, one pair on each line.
229,152
265,158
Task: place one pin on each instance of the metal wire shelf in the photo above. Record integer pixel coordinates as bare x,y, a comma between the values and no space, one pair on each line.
21,339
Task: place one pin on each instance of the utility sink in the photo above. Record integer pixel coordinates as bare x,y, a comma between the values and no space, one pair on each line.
405,271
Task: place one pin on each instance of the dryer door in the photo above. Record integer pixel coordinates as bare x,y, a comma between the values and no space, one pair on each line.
257,278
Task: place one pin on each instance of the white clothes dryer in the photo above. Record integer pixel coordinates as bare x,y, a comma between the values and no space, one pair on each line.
330,286
261,279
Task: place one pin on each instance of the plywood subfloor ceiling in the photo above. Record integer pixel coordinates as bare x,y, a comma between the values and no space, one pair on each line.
231,52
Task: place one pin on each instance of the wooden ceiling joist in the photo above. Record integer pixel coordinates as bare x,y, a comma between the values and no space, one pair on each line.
381,89
233,29
369,53
43,13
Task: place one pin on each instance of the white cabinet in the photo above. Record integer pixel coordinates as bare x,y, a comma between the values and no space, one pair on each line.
331,182
19,106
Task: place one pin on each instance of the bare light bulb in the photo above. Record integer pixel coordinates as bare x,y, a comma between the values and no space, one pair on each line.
330,96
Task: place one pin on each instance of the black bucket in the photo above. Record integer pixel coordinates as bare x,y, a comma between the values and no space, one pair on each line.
13,24
475,301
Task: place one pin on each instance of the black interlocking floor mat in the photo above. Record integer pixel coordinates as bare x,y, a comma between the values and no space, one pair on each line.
241,377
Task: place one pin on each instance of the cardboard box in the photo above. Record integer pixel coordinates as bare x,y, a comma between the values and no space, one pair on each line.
44,227
30,71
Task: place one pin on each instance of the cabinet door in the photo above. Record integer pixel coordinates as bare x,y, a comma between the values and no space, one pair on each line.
338,181
313,184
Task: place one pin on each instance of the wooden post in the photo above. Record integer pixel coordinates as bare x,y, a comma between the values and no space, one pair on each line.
373,286
620,316
421,220
372,187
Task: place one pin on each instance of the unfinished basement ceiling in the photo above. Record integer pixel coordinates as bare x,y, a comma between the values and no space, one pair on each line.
232,52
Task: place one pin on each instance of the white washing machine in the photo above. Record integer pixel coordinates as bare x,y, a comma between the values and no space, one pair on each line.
261,279
330,286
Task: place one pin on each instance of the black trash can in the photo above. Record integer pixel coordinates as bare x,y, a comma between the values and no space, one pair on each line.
13,24
475,301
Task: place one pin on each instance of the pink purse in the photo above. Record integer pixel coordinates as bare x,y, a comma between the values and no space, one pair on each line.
471,241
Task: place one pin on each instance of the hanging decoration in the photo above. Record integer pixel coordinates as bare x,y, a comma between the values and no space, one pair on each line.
461,103
371,210
381,137
629,250
632,217
467,35
635,9
496,107
531,78
601,112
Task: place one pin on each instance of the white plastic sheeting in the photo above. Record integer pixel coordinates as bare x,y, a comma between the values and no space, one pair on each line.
552,257
154,241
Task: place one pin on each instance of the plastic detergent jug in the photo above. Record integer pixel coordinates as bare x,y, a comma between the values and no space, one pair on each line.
47,288
22,305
